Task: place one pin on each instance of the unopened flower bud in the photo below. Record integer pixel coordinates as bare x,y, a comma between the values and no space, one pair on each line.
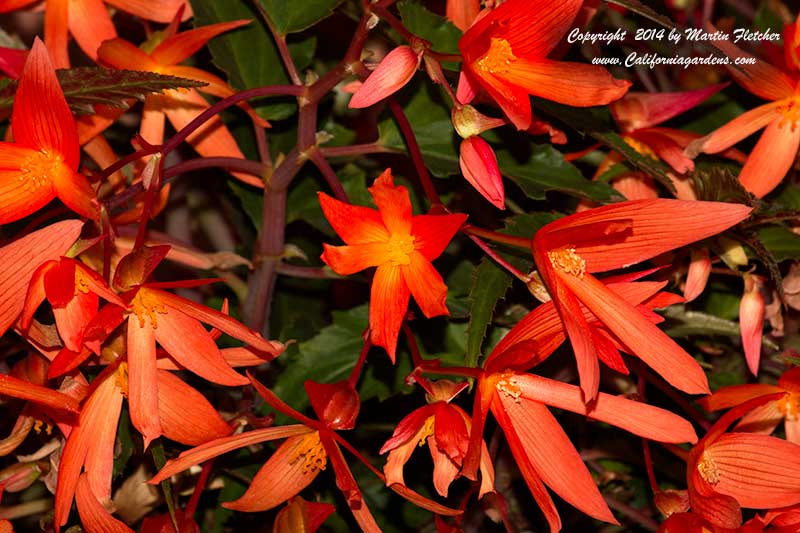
336,404
19,476
697,277
751,320
470,122
479,166
733,253
396,69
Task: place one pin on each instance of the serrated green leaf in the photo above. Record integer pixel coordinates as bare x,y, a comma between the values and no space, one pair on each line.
85,87
687,323
248,55
652,167
438,31
767,259
781,242
291,16
527,224
489,284
719,185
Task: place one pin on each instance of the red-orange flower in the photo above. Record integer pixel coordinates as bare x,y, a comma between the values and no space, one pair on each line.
570,249
505,52
43,161
402,246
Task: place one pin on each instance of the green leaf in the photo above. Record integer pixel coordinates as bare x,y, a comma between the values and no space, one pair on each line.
767,259
85,87
291,16
527,224
781,242
720,185
438,31
489,284
329,357
248,55
687,323
650,166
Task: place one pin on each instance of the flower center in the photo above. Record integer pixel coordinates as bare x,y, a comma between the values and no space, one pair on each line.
41,425
707,469
508,385
145,303
568,261
790,109
37,169
789,405
498,59
311,451
399,249
427,430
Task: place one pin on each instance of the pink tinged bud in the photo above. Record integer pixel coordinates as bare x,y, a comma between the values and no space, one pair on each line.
699,270
19,476
751,320
469,122
396,69
479,166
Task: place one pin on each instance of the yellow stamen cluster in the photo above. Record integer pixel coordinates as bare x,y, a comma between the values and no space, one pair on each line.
427,430
789,406
399,249
38,168
145,303
790,110
707,469
640,148
509,386
498,59
568,261
38,424
311,451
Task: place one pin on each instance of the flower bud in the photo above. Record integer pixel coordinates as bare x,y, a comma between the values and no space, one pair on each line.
697,277
336,404
470,122
479,166
396,69
751,320
19,476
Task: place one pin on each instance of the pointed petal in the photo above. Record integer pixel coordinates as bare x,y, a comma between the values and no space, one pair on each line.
353,223
95,517
478,164
121,54
734,131
751,321
408,428
347,484
432,233
444,469
757,470
155,10
186,416
90,25
574,84
25,390
450,432
19,198
217,447
763,420
760,78
21,258
387,308
393,203
462,12
36,294
391,75
727,397
99,462
638,418
41,118
181,46
153,122
278,480
638,230
667,149
639,110
74,190
72,319
467,88
640,335
222,322
400,454
346,260
513,100
56,14
143,378
193,348
771,159
426,285
697,276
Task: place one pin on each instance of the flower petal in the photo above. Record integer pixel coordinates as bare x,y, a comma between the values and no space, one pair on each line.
393,203
177,48
727,397
734,131
346,260
186,416
391,75
354,224
639,110
56,14
426,285
445,469
771,159
387,307
95,517
74,190
478,164
143,378
432,233
25,390
90,25
155,10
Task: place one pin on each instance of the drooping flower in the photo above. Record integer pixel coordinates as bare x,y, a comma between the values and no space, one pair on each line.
391,75
570,249
505,52
476,158
446,428
43,161
766,417
181,106
776,150
298,461
401,245
751,320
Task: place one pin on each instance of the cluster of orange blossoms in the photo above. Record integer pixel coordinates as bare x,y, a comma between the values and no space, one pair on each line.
103,336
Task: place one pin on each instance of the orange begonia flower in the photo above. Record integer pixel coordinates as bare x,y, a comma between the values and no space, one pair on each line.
402,246
181,106
776,150
765,418
570,249
505,53
43,161
298,461
446,428
728,471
